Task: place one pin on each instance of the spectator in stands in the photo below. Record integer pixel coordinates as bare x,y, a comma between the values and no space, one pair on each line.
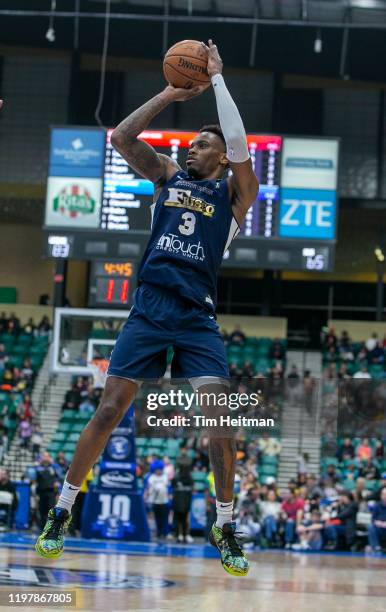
363,372
270,511
310,533
47,483
379,450
13,325
346,450
44,327
293,377
309,389
72,398
331,355
61,465
276,350
376,355
303,464
87,405
76,523
343,372
372,342
377,529
182,485
36,441
237,336
183,459
247,370
292,514
25,409
330,339
3,322
6,486
30,327
364,450
369,471
27,373
25,432
269,446
343,522
156,494
169,468
3,442
345,341
313,487
3,357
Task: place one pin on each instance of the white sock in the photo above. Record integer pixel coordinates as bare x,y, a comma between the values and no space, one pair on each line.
67,497
224,513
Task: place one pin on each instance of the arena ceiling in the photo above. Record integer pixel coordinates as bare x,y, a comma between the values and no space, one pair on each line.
276,35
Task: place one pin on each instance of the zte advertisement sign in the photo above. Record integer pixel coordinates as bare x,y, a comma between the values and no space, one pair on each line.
308,189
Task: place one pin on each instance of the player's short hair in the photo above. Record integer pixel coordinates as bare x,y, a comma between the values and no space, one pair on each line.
214,128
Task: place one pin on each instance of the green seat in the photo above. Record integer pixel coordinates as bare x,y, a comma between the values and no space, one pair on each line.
349,484
69,415
141,442
64,426
25,339
37,351
73,437
200,486
54,447
371,485
157,442
77,427
69,447
59,436
16,360
20,350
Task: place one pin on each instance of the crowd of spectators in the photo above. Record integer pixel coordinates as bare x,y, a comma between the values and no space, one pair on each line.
344,358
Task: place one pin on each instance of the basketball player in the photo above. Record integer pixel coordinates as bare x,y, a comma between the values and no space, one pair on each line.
195,216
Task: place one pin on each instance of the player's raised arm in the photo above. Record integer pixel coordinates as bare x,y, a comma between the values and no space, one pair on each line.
243,183
139,154
1,103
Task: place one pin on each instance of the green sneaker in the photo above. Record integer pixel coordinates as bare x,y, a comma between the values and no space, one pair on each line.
51,542
232,557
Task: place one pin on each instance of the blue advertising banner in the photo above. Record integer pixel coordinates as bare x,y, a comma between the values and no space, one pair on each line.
22,512
118,465
114,514
77,152
198,512
307,213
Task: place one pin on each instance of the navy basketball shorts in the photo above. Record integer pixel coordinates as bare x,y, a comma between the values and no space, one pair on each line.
158,320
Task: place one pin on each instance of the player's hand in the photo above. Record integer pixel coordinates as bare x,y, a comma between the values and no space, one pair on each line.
214,59
179,94
1,103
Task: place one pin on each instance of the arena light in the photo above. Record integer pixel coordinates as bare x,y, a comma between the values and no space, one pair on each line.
318,43
379,254
50,34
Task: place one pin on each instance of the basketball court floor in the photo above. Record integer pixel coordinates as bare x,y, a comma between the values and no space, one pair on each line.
152,577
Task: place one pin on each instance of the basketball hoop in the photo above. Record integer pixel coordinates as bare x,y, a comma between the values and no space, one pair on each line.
98,368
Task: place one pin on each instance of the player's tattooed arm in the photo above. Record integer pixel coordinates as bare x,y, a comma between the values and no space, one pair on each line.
141,156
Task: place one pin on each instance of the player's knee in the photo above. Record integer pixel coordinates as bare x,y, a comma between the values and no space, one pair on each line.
109,412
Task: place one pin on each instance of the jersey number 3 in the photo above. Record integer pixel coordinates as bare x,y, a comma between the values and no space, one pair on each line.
187,228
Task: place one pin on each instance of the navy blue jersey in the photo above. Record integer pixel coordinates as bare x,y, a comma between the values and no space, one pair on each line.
192,226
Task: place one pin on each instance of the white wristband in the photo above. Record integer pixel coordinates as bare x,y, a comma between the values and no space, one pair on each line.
230,122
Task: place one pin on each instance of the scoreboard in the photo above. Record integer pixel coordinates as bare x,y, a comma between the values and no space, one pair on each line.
98,208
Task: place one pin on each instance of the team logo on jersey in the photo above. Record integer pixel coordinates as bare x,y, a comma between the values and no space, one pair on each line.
182,198
173,244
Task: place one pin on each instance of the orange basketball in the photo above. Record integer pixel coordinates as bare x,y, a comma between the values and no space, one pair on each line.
185,64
